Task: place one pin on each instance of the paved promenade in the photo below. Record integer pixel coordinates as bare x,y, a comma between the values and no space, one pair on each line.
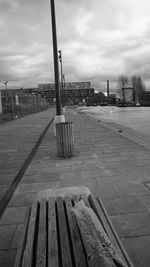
112,164
17,139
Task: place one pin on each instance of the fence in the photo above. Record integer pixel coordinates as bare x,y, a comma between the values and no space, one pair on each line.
17,103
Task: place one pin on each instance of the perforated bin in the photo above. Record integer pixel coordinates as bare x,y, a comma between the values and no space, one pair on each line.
65,139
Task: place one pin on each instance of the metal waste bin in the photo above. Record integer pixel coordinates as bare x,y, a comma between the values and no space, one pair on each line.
65,139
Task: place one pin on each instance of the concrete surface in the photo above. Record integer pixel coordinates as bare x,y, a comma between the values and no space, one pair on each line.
114,167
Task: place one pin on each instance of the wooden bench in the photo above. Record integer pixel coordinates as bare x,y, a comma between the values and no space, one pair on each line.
51,236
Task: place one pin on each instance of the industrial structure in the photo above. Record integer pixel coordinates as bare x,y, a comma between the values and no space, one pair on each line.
72,93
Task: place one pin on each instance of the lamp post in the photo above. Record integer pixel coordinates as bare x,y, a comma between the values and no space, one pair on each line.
5,82
59,117
55,54
12,102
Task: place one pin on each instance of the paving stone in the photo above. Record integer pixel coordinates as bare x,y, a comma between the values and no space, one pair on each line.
22,200
109,206
36,187
68,162
91,184
13,215
6,235
16,237
128,225
138,250
71,175
7,258
41,177
96,173
131,189
145,200
106,192
129,205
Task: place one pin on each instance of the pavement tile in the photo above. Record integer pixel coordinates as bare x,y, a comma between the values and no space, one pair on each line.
131,189
84,167
128,225
7,258
68,162
90,183
106,192
36,187
129,205
16,237
109,206
6,235
14,215
138,249
71,175
96,173
22,200
41,177
56,169
145,200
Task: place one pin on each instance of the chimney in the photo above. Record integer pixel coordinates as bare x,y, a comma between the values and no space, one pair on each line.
107,88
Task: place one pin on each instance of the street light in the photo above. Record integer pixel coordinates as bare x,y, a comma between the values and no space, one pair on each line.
5,82
59,117
55,54
12,102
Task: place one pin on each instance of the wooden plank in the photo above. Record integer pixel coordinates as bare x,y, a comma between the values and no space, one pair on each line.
20,251
42,233
79,255
64,241
101,213
53,260
28,252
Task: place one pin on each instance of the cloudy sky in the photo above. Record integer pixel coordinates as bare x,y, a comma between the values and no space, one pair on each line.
99,39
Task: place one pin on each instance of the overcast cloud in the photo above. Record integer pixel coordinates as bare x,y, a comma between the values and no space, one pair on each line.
99,40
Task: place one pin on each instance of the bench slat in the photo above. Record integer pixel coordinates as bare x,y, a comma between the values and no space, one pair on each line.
109,229
42,233
64,242
79,254
53,260
28,252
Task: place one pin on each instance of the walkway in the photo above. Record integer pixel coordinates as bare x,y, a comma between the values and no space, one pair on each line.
113,166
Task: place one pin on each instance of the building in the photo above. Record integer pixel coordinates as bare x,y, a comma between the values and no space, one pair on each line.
71,92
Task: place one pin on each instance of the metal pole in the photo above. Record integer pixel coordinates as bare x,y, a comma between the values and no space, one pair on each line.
12,101
108,88
61,72
55,53
63,81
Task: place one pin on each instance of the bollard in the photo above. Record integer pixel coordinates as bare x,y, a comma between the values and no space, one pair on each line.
65,139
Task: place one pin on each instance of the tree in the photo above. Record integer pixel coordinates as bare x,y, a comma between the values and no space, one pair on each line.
138,87
122,82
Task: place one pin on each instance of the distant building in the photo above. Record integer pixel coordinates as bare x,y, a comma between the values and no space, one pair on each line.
71,93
